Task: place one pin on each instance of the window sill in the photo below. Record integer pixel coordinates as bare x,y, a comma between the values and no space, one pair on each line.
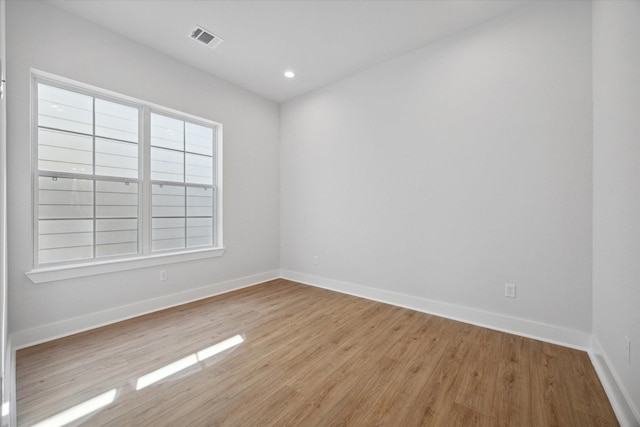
52,274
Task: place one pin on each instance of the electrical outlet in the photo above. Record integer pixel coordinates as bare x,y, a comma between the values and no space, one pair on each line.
627,340
315,259
510,290
164,275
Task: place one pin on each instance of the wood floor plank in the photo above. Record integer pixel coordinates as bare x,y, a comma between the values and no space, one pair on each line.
587,420
327,387
549,403
477,379
364,397
582,384
512,400
435,400
393,403
307,356
463,416
265,412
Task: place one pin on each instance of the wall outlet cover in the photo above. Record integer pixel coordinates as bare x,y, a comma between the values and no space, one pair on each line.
510,290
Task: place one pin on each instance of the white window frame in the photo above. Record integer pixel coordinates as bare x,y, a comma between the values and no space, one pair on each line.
145,257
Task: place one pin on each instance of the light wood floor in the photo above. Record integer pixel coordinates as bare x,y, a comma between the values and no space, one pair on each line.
309,357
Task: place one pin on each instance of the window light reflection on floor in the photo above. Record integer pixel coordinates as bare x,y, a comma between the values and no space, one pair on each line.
79,411
184,363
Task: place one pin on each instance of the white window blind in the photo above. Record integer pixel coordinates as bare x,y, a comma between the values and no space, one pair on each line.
91,183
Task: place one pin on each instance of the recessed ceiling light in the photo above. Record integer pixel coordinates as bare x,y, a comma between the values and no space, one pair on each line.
289,74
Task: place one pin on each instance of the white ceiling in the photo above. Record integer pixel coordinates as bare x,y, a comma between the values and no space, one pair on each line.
322,40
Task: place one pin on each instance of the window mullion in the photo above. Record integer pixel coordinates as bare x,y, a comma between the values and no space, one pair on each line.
145,219
184,177
93,136
185,213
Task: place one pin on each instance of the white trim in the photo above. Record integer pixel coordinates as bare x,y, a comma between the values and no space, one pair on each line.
628,415
63,328
64,272
513,325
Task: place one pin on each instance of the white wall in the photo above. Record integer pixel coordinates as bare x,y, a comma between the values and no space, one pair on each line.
43,37
616,175
5,386
448,172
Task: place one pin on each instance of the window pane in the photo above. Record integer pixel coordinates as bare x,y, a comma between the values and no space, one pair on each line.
199,169
116,121
199,139
167,201
69,239
64,152
167,165
167,132
168,233
65,254
64,240
116,237
64,110
116,199
115,158
65,198
199,232
199,202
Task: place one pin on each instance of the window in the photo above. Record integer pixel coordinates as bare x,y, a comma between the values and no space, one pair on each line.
116,178
182,183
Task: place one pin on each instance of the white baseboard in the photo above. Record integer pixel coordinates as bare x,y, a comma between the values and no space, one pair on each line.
513,325
627,413
48,332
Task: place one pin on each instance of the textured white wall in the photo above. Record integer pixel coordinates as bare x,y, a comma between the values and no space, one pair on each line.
4,388
46,38
450,171
616,176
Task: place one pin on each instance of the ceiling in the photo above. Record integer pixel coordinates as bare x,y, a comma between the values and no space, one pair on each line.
322,40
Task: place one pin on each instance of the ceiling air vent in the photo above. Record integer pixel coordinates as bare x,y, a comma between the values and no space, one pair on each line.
205,37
